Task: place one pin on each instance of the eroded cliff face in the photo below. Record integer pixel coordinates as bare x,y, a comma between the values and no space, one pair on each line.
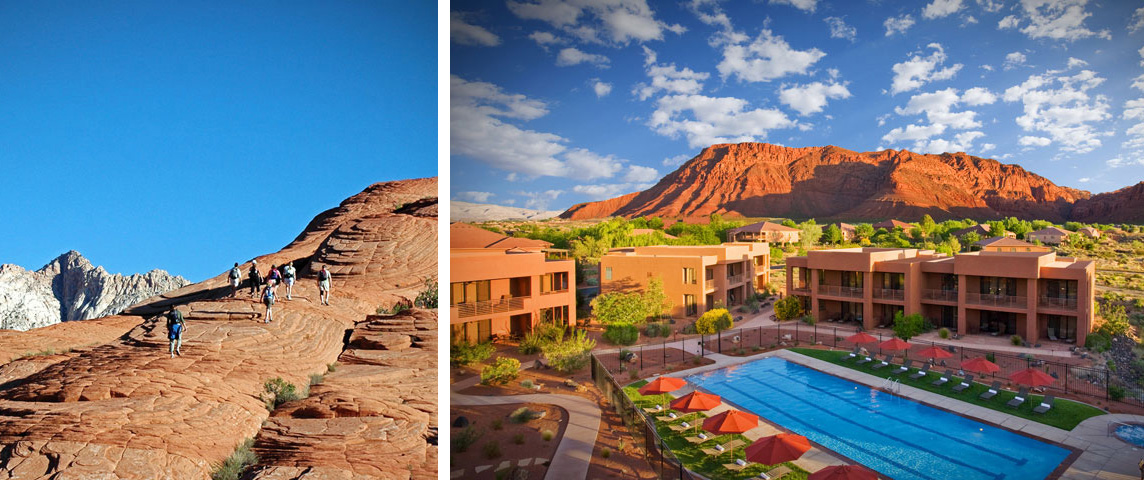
71,288
764,180
1122,206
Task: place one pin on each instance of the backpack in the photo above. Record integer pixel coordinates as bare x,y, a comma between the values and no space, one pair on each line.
176,329
235,273
323,275
267,295
289,271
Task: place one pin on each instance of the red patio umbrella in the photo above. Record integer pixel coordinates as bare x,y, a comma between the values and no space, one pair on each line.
780,448
982,366
860,338
662,385
934,351
844,472
1032,377
894,344
731,421
696,402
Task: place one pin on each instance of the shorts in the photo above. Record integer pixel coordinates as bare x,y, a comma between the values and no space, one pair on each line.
272,282
324,285
234,282
289,281
269,301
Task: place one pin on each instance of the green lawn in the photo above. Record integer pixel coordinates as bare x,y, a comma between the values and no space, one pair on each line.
690,454
1065,414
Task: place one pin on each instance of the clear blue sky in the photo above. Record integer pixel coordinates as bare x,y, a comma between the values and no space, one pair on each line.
190,135
556,102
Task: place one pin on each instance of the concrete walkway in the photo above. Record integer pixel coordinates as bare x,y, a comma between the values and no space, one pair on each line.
574,453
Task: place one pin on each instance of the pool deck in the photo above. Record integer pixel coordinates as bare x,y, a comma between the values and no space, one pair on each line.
1103,456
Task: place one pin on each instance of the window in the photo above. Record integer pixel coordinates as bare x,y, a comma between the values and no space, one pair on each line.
689,276
949,282
710,274
998,286
554,282
471,332
689,302
893,281
469,292
607,273
1062,328
1065,289
555,315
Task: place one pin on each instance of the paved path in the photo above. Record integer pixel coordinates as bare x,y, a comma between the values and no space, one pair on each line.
574,453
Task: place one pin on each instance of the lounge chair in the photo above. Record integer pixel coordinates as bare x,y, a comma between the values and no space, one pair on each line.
1020,398
943,379
921,372
1046,404
681,427
724,448
968,382
775,473
656,409
738,465
670,417
865,360
853,353
888,360
904,368
993,389
702,437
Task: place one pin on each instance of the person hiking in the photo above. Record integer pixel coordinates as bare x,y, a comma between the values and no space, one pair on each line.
235,278
324,280
288,273
175,328
268,300
273,277
255,278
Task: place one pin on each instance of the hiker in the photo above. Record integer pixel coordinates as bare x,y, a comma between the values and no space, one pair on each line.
255,278
268,299
288,273
235,278
175,328
273,278
324,278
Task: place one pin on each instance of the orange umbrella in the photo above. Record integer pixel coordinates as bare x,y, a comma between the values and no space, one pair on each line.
1032,377
860,338
662,385
894,344
982,366
844,472
696,402
934,351
780,448
731,421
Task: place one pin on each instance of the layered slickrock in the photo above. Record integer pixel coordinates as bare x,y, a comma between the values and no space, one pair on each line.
124,409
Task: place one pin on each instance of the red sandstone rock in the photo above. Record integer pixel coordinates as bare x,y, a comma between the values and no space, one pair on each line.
1122,206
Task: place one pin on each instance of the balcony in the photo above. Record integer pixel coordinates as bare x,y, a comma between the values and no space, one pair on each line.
489,307
940,295
890,294
1058,302
734,279
551,292
987,300
709,284
839,291
803,289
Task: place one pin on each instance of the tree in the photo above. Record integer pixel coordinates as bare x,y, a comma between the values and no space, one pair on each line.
863,231
996,228
714,321
1073,226
832,235
908,326
927,226
619,308
655,301
811,232
954,245
776,255
788,308
1040,225
789,223
971,238
1114,321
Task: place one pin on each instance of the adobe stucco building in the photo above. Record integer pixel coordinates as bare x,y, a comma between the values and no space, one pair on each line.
694,277
1036,295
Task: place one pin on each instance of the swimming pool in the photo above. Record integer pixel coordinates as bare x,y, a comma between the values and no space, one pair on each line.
897,437
1131,433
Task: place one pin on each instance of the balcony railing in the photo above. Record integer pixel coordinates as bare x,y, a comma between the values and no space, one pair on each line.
553,292
839,291
995,300
709,284
733,279
489,307
940,295
1058,302
890,293
803,288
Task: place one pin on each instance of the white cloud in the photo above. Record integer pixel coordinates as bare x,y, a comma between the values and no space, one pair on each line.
978,96
1061,107
707,120
766,58
641,174
938,109
1132,158
918,70
544,39
573,56
476,197
969,20
985,147
539,200
941,8
913,132
586,165
839,29
468,34
1084,180
668,78
804,5
1137,21
898,24
1014,60
1053,19
1133,109
1031,141
1076,62
606,191
812,97
602,89
597,21
991,6
676,160
987,67
960,143
1138,83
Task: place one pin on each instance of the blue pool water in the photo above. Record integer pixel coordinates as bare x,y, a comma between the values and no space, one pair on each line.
1133,434
897,437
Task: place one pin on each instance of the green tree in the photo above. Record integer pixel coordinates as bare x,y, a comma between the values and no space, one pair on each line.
811,232
1040,225
908,326
954,245
996,228
789,308
714,321
655,301
1073,226
832,235
927,226
1114,320
971,238
776,255
619,308
863,231
789,223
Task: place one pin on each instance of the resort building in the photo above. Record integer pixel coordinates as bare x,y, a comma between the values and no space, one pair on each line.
1089,232
503,287
1036,295
847,231
764,232
694,278
1051,235
1006,244
890,224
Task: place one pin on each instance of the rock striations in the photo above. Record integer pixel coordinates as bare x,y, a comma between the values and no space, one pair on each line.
479,212
71,288
119,407
764,180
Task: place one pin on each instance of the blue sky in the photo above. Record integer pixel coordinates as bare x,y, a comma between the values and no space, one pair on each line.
190,135
555,102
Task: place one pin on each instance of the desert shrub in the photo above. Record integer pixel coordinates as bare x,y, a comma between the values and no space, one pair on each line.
751,305
1098,342
538,337
492,450
233,467
465,438
316,378
526,383
395,309
633,375
570,353
427,297
518,439
808,319
605,453
943,333
279,391
714,321
332,367
991,357
788,308
502,371
1116,392
652,329
621,334
908,326
688,329
497,424
547,435
463,353
522,415
1113,320
1016,340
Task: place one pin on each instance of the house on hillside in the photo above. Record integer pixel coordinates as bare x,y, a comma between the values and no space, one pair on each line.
1051,235
764,232
847,231
891,223
1089,232
1005,244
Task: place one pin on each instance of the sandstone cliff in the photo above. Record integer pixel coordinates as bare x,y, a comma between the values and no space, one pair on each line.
71,288
1122,206
478,212
764,180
